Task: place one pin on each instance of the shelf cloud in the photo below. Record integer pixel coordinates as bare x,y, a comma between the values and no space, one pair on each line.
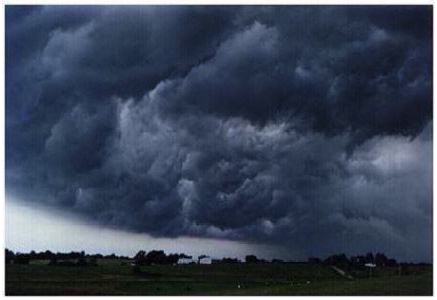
304,127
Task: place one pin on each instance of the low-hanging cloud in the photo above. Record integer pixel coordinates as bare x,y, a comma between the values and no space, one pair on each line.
309,127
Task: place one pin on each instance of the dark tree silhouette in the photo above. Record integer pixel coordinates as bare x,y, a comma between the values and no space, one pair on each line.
337,260
228,260
370,258
314,260
183,255
156,257
381,259
251,259
9,256
22,259
140,258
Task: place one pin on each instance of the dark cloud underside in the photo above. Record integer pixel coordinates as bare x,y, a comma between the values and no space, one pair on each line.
308,127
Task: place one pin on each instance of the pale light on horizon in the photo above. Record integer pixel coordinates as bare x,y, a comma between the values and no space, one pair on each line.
30,227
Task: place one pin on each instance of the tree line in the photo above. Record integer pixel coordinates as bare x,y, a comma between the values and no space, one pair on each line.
341,260
24,258
159,257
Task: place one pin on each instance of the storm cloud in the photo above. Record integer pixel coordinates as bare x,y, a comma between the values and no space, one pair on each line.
306,127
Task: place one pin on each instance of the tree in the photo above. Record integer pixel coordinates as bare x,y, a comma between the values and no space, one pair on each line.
9,256
140,258
369,257
392,262
183,255
48,255
358,260
92,261
313,260
172,259
337,260
82,262
251,259
228,260
53,261
22,259
156,257
381,259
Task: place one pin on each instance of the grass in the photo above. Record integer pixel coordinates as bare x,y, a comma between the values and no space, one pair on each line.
118,278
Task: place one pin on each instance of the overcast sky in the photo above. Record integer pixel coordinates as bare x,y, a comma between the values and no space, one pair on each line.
289,131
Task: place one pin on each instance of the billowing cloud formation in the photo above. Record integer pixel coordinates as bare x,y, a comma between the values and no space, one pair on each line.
309,127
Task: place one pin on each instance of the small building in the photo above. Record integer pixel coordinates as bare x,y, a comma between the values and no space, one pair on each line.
205,260
370,265
185,261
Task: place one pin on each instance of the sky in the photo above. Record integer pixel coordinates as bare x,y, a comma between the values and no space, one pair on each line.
32,227
285,131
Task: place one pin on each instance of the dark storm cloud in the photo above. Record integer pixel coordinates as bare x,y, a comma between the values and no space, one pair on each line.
308,127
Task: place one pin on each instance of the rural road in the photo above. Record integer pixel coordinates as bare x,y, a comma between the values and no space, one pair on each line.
341,272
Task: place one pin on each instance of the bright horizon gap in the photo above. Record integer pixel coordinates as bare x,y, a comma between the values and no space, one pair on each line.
32,227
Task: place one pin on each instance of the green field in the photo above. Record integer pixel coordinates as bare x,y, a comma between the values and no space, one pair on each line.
115,277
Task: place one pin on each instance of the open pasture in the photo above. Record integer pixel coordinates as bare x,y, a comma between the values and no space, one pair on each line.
116,277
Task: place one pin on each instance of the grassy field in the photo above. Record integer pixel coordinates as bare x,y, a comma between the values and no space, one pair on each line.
118,278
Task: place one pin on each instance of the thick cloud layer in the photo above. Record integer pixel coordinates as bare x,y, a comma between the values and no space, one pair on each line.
309,127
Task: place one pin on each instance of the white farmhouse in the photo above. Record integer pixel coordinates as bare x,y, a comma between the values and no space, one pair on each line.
185,261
